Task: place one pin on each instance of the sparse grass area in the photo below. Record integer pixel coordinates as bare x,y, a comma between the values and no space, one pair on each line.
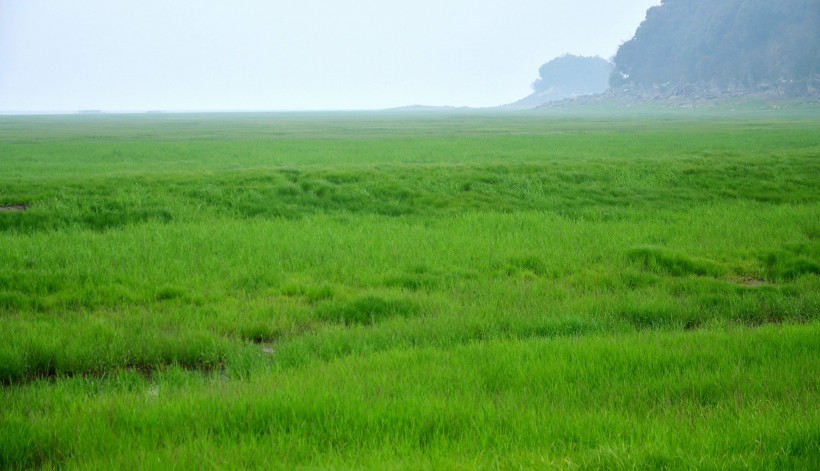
399,290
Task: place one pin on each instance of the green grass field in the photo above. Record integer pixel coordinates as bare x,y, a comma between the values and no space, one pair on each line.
537,290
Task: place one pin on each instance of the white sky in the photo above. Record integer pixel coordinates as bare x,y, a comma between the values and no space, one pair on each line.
65,55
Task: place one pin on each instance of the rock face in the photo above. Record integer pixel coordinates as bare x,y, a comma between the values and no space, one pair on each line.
781,94
723,48
808,87
567,77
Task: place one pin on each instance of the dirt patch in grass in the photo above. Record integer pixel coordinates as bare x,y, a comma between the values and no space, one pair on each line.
749,281
14,208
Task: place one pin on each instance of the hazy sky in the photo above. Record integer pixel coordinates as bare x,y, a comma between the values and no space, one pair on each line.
298,54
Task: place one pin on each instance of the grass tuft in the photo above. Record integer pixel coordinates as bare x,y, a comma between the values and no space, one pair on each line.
788,265
666,261
367,310
527,264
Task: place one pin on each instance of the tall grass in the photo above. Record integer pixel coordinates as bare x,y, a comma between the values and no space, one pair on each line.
710,399
456,290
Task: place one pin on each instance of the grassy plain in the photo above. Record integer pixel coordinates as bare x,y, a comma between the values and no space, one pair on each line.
400,290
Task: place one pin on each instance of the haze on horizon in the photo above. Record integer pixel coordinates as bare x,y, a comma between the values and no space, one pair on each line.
67,55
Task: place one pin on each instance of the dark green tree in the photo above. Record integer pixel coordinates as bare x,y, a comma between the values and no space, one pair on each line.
576,75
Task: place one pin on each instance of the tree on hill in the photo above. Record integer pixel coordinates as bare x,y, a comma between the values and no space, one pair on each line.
722,43
568,76
576,75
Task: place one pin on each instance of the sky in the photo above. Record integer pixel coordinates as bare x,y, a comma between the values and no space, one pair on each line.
201,55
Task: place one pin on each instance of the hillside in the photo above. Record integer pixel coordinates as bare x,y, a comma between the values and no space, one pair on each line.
724,46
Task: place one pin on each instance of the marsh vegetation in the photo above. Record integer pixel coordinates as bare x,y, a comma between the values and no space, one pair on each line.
411,290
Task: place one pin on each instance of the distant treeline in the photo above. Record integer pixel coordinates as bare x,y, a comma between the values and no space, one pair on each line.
723,43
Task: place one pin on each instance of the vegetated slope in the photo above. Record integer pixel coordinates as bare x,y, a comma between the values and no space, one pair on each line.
738,46
565,77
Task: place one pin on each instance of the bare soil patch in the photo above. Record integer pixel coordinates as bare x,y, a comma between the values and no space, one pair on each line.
750,281
14,208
